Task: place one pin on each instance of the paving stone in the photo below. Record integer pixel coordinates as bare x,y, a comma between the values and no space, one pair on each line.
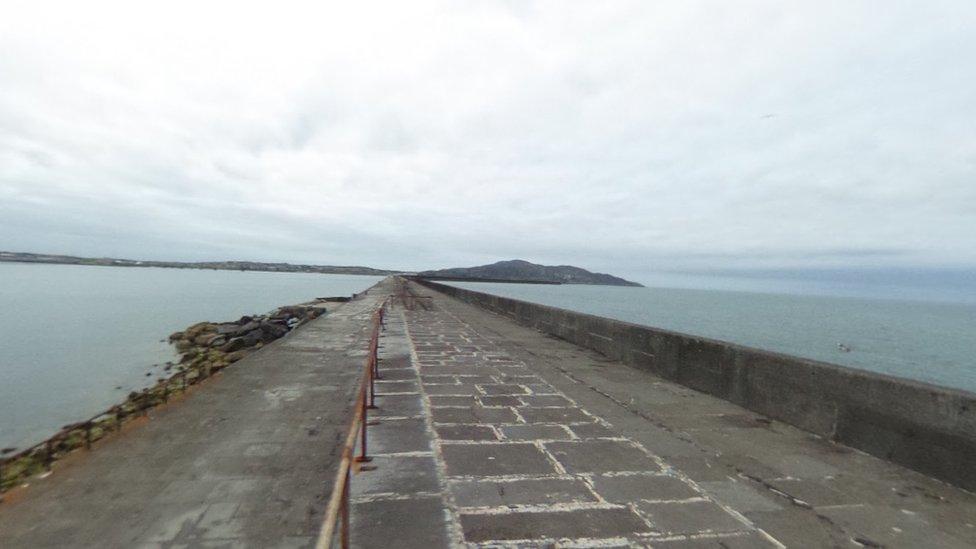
742,496
502,389
438,379
461,369
535,432
588,523
440,400
398,475
396,387
519,492
547,400
401,374
554,415
450,389
465,432
412,523
495,459
541,388
600,456
690,518
402,435
474,414
631,488
398,405
482,378
500,400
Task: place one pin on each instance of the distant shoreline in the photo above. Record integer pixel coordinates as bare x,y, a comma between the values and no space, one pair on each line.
50,259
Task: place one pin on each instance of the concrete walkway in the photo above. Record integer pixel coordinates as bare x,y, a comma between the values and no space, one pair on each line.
245,459
492,434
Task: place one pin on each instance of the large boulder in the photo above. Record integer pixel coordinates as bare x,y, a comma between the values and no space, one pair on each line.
234,344
272,331
199,328
253,337
205,339
229,329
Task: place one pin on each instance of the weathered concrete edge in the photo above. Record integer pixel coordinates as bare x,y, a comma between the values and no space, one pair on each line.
924,427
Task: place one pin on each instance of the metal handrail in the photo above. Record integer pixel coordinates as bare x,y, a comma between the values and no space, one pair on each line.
337,510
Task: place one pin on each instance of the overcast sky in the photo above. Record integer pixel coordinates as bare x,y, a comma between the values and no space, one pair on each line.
618,136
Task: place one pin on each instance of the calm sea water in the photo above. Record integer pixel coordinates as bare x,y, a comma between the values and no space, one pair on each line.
932,341
74,340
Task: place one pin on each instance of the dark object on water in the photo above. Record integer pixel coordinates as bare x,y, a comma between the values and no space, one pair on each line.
843,348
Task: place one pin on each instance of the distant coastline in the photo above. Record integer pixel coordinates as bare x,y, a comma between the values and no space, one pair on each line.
23,257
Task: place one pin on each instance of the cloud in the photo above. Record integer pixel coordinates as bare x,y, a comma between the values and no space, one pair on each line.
624,136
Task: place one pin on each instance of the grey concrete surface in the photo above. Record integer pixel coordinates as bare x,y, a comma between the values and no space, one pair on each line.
245,459
927,428
585,451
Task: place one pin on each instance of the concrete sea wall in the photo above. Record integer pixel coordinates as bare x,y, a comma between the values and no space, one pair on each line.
924,427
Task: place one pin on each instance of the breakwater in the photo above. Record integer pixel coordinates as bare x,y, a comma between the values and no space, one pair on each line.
924,427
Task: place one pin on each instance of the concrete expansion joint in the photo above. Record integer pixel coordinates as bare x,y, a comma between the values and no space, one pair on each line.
568,543
523,508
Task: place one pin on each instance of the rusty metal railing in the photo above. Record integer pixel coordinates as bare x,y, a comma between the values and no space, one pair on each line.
337,511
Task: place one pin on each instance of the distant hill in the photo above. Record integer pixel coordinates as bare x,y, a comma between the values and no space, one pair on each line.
212,265
517,270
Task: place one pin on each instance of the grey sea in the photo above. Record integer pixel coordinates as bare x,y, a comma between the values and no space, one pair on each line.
930,338
75,340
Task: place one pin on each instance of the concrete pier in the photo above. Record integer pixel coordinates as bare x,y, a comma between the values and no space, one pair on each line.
494,435
487,434
245,459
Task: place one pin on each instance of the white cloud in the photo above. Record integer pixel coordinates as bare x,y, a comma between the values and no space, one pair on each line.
618,136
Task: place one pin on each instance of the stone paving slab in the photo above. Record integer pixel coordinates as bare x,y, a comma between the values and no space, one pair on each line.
580,524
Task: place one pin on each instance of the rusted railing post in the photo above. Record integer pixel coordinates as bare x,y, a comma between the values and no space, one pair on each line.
363,455
344,511
372,388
